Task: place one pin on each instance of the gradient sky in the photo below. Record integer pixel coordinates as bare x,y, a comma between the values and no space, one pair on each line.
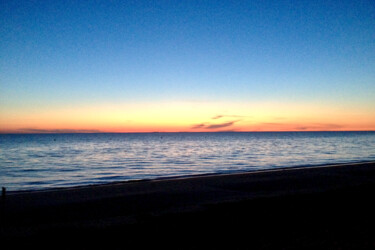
144,66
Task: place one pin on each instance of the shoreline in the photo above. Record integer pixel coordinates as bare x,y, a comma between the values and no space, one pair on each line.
178,183
177,177
317,200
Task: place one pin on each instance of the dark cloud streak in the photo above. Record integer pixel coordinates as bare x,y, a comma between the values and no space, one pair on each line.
214,126
56,131
221,125
217,117
320,126
202,125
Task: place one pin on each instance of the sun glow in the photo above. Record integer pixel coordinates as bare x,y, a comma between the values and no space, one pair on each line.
187,117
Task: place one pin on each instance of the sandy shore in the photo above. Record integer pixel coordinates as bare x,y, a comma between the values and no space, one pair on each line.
323,207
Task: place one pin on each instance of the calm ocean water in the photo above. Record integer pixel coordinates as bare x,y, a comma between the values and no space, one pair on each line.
29,162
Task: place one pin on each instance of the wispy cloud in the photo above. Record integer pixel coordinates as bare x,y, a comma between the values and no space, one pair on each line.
217,117
220,125
228,116
320,126
201,125
214,126
276,126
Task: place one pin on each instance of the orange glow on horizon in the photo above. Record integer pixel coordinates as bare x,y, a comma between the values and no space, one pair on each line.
187,117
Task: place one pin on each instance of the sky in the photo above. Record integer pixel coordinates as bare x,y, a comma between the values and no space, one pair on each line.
196,66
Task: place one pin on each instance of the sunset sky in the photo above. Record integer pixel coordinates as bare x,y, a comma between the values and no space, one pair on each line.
169,66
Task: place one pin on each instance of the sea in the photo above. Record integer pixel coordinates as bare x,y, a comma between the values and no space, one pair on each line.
43,161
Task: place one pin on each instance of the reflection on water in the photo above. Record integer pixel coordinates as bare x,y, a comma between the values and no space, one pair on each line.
57,160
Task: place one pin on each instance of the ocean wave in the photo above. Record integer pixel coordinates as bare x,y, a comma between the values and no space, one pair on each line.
81,159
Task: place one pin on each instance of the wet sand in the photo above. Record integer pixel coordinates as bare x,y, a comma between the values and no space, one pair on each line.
322,207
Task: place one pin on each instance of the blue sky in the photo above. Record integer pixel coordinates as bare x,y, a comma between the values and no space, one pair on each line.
74,53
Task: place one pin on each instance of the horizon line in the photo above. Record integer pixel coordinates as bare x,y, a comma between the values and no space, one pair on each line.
190,132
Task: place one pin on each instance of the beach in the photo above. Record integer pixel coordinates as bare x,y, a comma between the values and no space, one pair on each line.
320,207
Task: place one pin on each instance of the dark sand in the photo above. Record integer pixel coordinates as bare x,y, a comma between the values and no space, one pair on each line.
323,207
